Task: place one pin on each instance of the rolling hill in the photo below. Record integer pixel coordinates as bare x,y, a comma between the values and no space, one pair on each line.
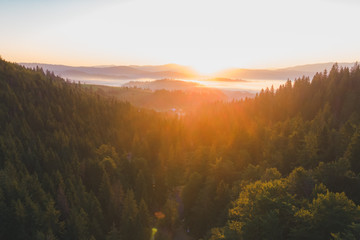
117,72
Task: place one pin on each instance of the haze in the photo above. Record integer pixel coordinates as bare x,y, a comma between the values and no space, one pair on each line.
207,35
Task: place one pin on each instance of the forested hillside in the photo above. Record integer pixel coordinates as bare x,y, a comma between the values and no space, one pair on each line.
77,165
165,100
288,160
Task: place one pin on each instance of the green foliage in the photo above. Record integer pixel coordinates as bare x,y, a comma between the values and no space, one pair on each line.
77,165
301,182
333,212
259,209
66,156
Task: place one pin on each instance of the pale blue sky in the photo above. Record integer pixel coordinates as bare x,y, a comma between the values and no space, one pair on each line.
208,35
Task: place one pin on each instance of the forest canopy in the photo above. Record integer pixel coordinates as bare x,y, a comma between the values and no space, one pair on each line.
78,165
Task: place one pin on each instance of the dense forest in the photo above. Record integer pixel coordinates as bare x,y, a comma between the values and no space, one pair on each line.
164,100
78,165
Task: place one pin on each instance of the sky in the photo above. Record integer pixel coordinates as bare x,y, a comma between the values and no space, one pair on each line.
208,35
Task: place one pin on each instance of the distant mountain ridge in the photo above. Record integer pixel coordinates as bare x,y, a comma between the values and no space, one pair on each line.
280,73
118,72
175,71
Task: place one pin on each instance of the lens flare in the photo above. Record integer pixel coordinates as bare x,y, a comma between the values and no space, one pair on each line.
153,232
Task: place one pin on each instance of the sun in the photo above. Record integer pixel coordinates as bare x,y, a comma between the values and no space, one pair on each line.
209,68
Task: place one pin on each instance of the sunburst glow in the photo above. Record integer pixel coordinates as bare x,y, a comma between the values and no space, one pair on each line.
208,35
